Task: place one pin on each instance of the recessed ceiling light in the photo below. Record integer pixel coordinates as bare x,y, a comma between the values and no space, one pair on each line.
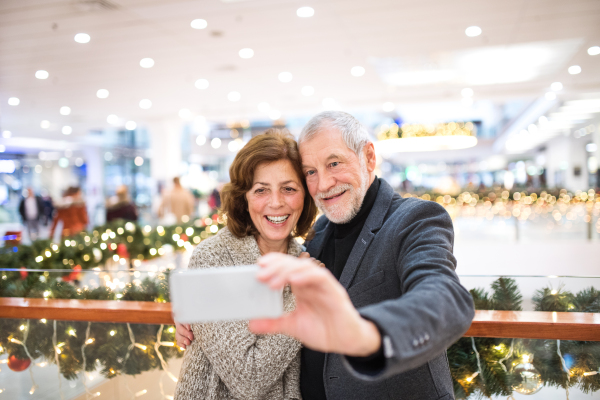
215,143
199,24
274,114
185,113
357,71
264,107
308,90
64,110
200,140
305,12
45,124
467,92
67,130
467,101
543,120
201,84
102,93
82,38
139,161
6,134
234,96
112,119
594,50
246,53
388,106
146,63
591,147
556,86
574,69
13,101
473,31
130,125
285,77
145,104
550,96
41,74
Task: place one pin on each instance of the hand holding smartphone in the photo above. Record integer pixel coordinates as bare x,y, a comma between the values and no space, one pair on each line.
222,294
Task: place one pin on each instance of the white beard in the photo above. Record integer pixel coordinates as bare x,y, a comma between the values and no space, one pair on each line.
343,212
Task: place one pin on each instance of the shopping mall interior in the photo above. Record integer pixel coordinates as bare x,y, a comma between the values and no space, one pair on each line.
490,109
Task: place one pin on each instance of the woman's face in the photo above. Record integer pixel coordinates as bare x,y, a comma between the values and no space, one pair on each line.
275,200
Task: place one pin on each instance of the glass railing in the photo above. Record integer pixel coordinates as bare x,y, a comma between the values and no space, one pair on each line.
548,353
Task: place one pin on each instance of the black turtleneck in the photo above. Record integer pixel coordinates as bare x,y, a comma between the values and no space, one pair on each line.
335,254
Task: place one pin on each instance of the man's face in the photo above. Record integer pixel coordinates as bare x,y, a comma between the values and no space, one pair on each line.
336,177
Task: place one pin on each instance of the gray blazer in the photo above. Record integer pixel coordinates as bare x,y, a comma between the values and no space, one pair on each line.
401,275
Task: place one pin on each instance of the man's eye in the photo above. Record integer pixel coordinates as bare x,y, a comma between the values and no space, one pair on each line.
309,173
334,164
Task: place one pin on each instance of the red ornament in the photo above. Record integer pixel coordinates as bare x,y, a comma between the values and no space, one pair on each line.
184,237
17,364
23,273
215,217
122,250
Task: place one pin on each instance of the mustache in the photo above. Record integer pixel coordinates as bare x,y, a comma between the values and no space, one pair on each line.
334,191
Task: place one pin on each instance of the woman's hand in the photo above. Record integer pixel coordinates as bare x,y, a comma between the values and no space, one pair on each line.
183,335
305,254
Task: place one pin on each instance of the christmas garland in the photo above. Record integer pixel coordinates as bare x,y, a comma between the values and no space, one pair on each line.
114,241
479,366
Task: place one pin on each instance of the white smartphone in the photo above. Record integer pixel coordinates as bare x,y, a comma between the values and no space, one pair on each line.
222,294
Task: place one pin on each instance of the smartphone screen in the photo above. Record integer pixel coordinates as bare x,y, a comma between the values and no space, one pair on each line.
222,294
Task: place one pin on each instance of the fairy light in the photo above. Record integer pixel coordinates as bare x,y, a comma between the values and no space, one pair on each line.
140,346
526,358
141,392
22,328
171,330
90,341
470,378
590,373
112,333
72,332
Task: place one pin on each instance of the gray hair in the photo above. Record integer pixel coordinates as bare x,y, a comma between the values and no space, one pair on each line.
355,135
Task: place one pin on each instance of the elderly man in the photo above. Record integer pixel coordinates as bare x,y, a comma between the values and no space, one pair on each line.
377,321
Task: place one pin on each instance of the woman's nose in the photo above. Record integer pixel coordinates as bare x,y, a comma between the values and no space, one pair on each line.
277,200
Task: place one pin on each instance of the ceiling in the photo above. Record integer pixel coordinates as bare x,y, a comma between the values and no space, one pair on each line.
400,43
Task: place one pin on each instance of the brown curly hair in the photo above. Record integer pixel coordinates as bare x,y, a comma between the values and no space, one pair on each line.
273,145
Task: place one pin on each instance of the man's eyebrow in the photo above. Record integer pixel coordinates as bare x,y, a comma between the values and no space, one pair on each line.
331,157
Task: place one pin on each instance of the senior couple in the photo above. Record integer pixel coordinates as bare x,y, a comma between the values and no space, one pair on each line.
371,319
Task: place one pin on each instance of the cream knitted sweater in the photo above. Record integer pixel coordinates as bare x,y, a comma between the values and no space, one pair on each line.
226,360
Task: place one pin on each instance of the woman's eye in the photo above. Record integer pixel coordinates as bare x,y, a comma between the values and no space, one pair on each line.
289,189
259,191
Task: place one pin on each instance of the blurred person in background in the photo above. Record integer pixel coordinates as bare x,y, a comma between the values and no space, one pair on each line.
176,204
32,210
72,213
121,206
48,207
267,205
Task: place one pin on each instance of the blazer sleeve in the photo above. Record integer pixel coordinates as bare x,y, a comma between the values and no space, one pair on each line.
434,310
248,364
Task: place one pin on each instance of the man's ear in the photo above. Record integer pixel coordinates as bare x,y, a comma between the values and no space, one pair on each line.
370,157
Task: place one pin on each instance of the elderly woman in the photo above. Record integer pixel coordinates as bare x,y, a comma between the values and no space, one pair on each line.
265,205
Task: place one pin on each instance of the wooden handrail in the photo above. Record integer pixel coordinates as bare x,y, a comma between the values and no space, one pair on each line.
493,324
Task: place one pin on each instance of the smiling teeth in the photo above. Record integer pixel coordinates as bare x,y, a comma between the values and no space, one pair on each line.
278,220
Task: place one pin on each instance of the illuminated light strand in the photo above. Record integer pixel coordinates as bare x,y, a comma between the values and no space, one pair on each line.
480,372
160,357
85,343
17,341
56,358
508,355
564,365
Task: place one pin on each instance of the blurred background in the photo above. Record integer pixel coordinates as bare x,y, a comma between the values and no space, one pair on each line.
134,109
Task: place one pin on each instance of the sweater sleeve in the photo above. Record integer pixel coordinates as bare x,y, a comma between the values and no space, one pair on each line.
248,364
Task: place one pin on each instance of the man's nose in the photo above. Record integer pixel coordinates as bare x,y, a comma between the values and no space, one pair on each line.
326,182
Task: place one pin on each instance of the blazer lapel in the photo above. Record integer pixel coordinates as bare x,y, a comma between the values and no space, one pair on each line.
372,225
